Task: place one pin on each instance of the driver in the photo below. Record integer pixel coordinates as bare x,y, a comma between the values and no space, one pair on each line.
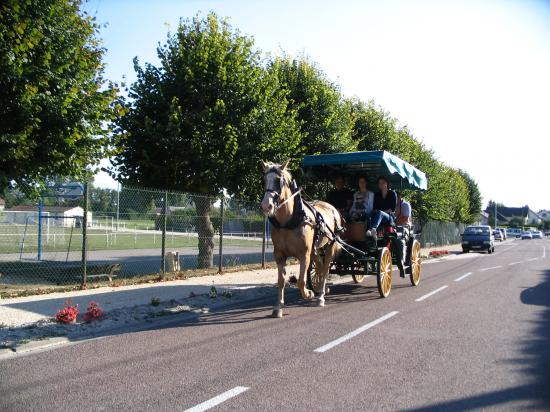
340,197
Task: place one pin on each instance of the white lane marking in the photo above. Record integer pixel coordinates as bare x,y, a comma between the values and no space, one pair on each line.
433,292
463,277
356,332
237,390
514,263
530,260
543,252
491,268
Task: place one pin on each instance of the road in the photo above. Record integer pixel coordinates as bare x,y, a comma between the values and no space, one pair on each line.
473,335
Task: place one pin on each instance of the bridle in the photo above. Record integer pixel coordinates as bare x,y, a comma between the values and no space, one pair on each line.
276,194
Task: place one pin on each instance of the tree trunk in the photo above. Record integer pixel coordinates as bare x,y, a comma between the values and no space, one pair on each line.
205,230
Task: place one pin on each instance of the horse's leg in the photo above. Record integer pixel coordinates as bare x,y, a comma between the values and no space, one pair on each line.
323,265
304,266
281,273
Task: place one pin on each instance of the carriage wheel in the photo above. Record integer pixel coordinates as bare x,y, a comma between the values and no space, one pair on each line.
383,278
313,278
357,278
416,263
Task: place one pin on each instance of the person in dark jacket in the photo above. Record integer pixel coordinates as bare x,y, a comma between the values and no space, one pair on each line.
340,197
385,202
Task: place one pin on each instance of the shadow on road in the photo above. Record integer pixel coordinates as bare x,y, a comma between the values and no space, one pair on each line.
534,362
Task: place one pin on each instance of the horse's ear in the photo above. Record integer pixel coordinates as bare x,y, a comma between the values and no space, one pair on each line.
286,164
262,165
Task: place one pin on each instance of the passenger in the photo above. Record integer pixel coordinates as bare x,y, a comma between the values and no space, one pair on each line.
340,197
403,212
385,203
363,201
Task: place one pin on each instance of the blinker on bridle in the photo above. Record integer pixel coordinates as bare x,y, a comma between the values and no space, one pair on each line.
275,191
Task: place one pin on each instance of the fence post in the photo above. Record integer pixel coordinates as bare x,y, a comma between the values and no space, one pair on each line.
220,253
39,237
84,235
264,236
163,247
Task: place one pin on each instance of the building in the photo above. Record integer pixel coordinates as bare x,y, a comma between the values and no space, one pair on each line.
63,216
505,214
483,218
544,214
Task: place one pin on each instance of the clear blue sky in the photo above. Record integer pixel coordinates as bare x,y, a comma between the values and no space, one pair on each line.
469,78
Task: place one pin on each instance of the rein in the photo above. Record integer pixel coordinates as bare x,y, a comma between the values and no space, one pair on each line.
287,200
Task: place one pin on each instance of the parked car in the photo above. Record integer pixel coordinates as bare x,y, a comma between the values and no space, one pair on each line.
537,234
547,233
526,235
478,238
498,235
513,232
503,231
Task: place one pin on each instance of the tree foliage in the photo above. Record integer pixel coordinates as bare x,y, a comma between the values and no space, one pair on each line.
203,118
54,102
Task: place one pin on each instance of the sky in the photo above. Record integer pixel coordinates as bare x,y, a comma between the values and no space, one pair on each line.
471,79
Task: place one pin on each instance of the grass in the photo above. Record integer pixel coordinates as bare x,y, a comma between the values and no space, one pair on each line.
58,240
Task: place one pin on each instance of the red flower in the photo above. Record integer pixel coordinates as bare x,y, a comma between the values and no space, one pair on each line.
68,314
94,312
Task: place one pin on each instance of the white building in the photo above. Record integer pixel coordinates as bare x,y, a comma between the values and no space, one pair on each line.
62,216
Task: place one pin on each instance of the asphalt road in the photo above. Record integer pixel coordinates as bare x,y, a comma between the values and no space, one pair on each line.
481,341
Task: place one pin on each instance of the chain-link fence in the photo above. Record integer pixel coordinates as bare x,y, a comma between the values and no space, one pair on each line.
435,233
127,233
134,232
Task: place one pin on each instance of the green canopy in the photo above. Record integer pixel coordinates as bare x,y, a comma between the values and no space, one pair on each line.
373,164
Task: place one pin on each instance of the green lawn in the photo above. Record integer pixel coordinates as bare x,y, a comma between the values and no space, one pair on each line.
59,238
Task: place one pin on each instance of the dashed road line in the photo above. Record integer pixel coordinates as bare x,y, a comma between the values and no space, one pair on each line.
463,277
354,333
514,263
433,292
543,252
237,390
530,260
491,268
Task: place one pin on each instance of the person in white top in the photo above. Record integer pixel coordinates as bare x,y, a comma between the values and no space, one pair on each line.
403,212
363,201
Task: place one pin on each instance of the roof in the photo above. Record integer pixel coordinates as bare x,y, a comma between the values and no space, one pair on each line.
32,208
377,163
509,212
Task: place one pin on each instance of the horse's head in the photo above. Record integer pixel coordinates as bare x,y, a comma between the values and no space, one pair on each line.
276,183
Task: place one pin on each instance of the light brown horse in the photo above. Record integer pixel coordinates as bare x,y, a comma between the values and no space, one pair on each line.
298,238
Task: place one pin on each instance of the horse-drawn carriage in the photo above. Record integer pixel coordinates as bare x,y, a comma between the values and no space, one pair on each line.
363,254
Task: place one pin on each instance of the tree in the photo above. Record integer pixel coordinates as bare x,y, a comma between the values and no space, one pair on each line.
54,102
202,119
325,118
474,196
515,221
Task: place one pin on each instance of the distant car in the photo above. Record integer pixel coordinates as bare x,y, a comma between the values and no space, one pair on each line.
537,234
498,235
513,232
478,238
503,231
526,235
547,233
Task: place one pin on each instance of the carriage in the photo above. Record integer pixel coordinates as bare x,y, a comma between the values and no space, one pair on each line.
363,255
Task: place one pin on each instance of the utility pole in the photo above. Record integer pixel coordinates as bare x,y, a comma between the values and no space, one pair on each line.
496,215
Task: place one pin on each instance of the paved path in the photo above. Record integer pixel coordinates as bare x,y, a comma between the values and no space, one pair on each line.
473,335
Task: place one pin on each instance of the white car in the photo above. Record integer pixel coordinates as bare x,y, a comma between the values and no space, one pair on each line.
527,235
537,234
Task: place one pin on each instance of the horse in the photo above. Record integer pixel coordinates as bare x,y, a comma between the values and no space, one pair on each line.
313,235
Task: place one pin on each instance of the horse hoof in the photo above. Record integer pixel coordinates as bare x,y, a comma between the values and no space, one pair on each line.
277,313
321,302
310,295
